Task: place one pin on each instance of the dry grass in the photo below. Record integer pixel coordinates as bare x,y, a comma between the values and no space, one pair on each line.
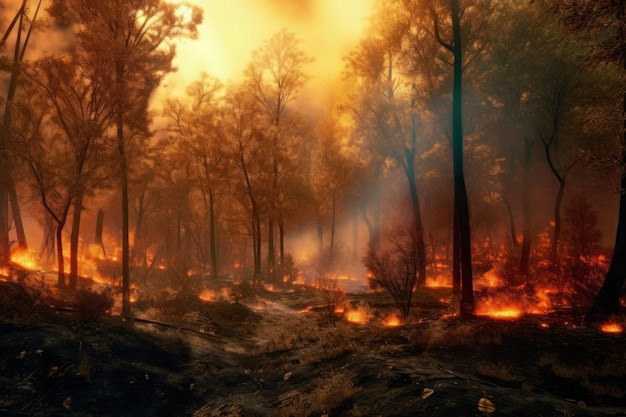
446,332
498,371
328,393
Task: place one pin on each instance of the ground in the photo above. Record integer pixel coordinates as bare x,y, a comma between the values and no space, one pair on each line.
275,354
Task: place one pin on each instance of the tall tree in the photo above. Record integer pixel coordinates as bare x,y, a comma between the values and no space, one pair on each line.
7,186
200,141
462,255
604,23
135,39
82,114
274,77
385,109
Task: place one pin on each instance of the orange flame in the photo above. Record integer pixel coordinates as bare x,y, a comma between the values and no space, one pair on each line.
359,315
24,258
392,321
612,328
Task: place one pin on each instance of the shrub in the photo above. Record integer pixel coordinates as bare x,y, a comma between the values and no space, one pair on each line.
396,269
92,306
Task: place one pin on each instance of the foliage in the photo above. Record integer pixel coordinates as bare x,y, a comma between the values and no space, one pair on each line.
396,269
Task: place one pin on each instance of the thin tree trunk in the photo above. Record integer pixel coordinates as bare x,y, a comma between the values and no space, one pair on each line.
121,147
60,261
214,270
556,236
78,207
417,218
332,231
526,212
17,216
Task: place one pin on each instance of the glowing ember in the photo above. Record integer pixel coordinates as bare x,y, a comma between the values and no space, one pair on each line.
339,309
24,258
392,321
612,328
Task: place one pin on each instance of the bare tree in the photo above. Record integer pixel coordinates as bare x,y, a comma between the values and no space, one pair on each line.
396,268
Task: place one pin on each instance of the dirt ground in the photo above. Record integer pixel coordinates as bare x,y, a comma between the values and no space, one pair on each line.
275,355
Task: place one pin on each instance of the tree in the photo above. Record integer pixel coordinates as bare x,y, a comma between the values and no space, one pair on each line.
331,174
604,23
7,184
273,78
133,39
200,140
81,112
397,268
462,256
385,110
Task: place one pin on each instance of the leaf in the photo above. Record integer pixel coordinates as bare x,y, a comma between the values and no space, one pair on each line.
21,355
39,351
287,376
427,393
486,406
191,386
67,403
147,377
52,371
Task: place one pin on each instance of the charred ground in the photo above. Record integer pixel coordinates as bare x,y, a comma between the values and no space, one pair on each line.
275,355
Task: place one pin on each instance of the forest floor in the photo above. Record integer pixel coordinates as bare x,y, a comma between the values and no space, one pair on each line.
276,355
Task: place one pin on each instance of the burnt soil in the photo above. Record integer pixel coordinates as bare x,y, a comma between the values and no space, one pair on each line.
274,355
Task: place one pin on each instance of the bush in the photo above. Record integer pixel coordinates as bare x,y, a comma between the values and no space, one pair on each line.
92,306
396,269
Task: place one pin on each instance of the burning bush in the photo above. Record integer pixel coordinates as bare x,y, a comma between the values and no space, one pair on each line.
396,269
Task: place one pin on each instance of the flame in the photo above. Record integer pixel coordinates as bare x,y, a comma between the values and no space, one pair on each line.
212,295
392,321
24,258
339,309
612,328
439,281
490,279
359,315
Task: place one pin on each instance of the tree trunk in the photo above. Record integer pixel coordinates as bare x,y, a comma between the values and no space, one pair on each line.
60,260
417,218
281,237
78,207
212,243
271,254
355,235
612,289
121,147
332,231
5,246
460,192
526,213
556,236
17,217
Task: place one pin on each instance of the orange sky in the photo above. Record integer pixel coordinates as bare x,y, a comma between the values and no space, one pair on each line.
232,29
